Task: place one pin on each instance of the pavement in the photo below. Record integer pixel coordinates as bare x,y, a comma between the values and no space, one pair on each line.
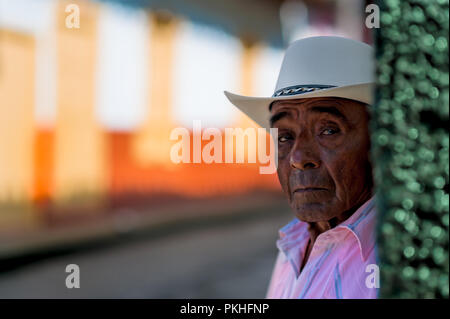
221,258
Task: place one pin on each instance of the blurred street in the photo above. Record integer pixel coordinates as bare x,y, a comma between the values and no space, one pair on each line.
223,260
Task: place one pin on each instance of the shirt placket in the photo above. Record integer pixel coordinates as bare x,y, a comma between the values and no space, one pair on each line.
320,252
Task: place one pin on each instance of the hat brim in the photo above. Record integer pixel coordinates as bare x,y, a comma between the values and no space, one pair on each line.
257,108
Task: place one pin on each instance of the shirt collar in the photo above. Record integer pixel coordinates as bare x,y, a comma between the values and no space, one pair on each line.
360,224
292,242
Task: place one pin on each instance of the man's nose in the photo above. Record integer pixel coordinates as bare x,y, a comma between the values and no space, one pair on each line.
304,157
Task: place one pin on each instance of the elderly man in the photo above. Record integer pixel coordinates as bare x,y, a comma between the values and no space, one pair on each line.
320,110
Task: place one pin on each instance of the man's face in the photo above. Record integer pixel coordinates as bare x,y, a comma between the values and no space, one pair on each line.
323,155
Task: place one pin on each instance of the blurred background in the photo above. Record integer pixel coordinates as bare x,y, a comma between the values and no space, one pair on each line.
85,119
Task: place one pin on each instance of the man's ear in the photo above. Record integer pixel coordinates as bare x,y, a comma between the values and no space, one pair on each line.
368,111
270,106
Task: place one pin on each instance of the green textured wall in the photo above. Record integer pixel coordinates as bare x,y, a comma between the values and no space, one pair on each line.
411,148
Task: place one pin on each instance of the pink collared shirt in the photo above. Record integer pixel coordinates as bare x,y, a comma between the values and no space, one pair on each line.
338,266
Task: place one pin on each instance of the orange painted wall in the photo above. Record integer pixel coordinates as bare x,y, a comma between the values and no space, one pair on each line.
127,177
43,153
184,179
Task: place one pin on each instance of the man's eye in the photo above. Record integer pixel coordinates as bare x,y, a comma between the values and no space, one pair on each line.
284,138
329,131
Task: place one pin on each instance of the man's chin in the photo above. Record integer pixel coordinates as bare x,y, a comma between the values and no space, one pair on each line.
314,212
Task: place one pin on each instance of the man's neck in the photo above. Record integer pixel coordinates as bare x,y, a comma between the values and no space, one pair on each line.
316,228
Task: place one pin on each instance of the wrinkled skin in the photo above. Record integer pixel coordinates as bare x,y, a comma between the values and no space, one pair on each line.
323,158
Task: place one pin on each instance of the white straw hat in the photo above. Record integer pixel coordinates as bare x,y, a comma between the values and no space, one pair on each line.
316,67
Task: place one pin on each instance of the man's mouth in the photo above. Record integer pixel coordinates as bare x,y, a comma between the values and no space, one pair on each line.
303,190
305,195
